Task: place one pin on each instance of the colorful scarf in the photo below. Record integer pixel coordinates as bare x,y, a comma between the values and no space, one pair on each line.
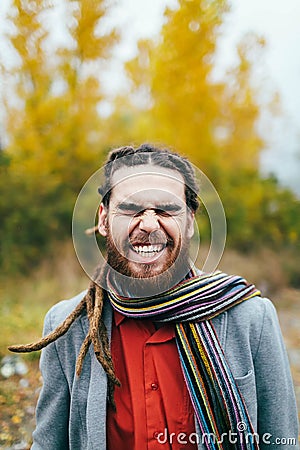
218,404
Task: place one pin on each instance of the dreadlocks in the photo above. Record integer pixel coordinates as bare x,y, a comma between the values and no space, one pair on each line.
92,302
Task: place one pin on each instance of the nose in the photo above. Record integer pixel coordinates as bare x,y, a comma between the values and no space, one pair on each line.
149,221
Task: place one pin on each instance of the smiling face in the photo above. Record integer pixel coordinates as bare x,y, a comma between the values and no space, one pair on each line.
147,224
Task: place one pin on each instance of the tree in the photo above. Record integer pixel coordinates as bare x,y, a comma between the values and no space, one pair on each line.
177,100
56,129
214,122
52,124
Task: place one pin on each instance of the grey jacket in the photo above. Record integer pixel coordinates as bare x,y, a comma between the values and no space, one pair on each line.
71,411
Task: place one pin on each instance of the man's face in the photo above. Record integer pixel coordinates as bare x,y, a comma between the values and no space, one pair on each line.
147,224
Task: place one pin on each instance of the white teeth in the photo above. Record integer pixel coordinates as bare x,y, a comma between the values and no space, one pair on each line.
147,249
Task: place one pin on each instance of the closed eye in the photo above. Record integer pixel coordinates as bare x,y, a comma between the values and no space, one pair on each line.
129,208
168,210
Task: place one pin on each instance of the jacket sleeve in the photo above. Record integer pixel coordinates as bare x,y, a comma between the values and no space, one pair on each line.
52,413
277,411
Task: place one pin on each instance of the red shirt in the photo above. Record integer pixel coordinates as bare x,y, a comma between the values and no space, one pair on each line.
153,401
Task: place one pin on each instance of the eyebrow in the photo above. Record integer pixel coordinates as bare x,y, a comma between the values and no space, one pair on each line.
130,206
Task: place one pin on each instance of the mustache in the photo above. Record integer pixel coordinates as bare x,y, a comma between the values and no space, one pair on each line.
155,237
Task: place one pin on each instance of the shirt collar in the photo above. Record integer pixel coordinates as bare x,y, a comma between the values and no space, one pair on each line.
163,334
118,318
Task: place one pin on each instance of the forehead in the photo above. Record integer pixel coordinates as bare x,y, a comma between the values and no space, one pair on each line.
147,184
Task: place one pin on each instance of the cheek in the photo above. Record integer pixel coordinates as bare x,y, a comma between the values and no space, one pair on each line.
175,229
120,227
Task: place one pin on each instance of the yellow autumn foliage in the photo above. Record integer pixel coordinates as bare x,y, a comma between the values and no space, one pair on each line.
56,137
55,130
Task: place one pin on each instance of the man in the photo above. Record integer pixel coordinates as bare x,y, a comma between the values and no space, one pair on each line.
157,354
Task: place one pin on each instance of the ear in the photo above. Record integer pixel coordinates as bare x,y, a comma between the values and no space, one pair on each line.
102,220
190,224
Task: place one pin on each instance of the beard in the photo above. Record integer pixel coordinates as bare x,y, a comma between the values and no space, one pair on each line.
138,279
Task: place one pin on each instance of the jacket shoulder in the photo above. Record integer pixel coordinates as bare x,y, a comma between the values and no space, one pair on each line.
254,310
60,311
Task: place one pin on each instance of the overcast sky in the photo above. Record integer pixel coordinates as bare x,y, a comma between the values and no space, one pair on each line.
278,21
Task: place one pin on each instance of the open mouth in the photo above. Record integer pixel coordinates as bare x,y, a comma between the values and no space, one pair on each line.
148,250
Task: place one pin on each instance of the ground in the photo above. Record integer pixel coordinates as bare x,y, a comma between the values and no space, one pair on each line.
18,397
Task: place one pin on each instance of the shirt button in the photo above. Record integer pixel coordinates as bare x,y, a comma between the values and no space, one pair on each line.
154,386
155,434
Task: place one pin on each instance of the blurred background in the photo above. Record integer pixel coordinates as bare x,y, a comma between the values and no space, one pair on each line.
216,80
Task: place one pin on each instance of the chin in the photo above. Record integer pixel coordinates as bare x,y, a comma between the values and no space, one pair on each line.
146,270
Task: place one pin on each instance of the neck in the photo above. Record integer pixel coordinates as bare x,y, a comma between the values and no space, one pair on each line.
131,287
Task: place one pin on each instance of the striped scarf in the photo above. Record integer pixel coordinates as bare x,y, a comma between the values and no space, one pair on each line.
218,404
